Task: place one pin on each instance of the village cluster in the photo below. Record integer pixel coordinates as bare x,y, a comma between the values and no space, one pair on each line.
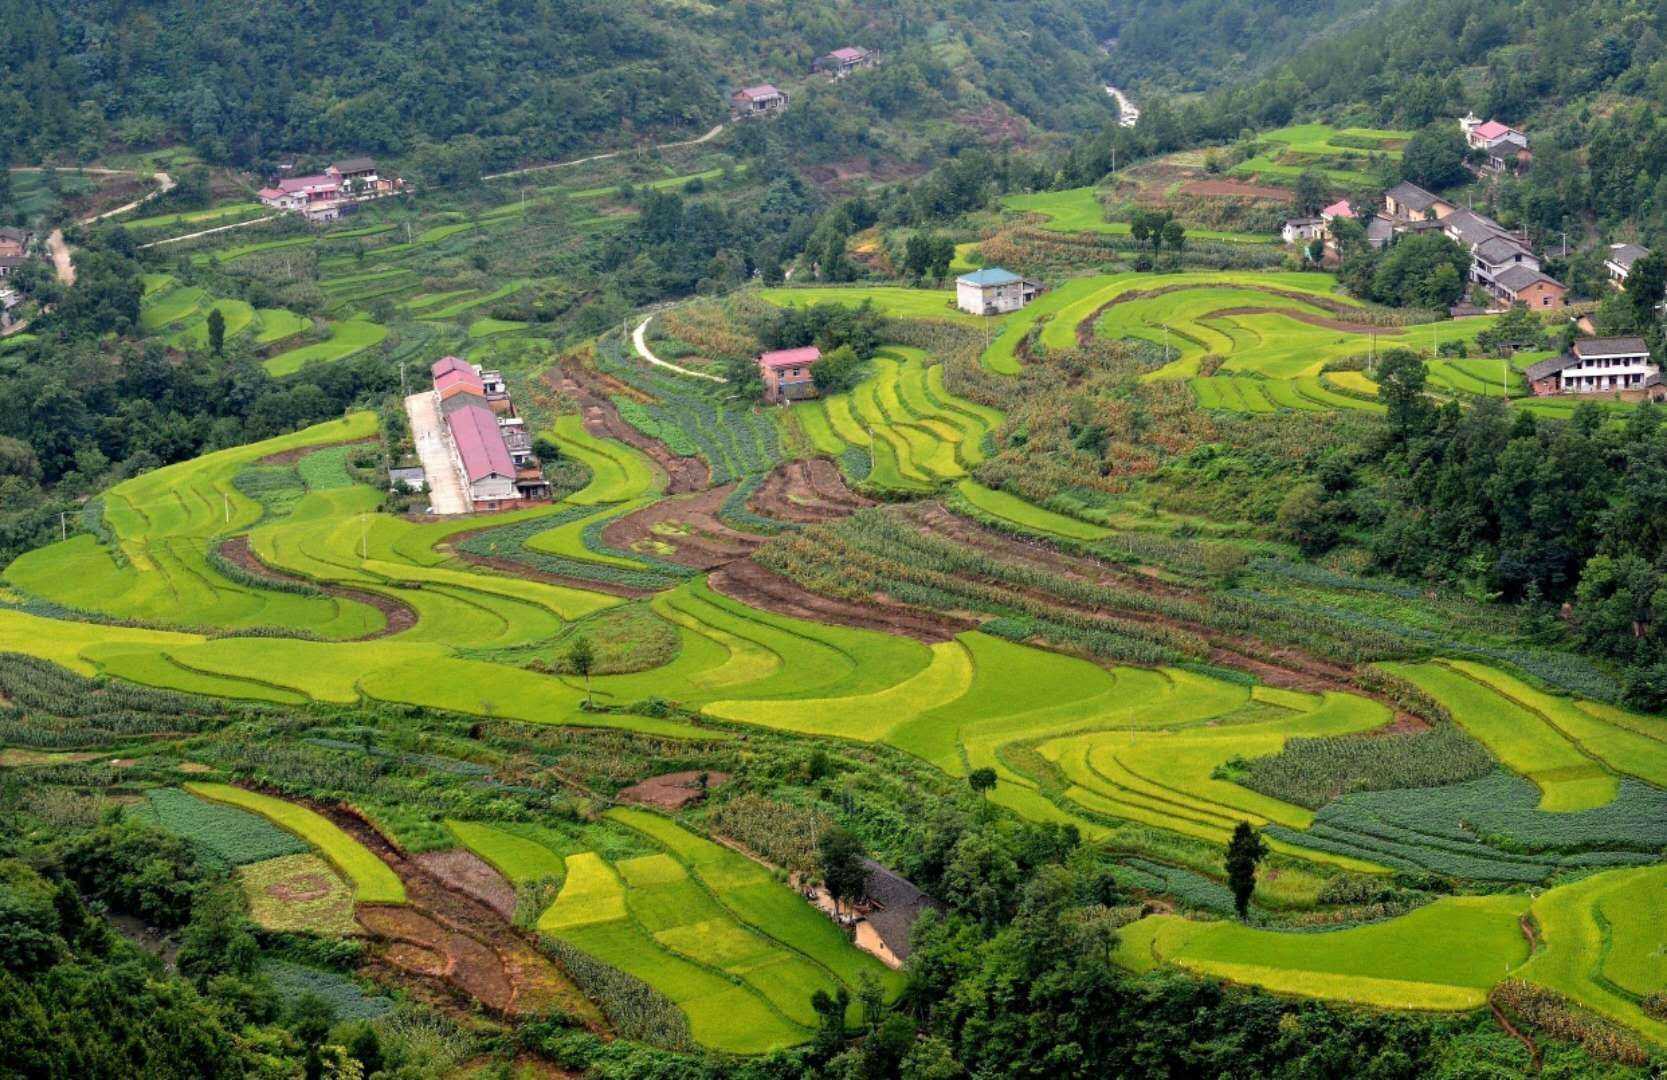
15,247
1503,265
327,195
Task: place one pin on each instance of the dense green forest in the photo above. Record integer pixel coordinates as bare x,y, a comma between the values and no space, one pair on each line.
494,82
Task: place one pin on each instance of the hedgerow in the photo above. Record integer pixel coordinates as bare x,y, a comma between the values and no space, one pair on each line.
1312,772
50,707
636,1010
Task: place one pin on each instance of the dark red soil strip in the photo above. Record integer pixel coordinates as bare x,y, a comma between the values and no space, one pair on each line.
806,492
1234,189
397,615
514,568
1309,318
752,584
706,544
672,791
487,960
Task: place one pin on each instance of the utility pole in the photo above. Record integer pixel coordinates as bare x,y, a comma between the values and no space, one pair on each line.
364,536
63,526
227,499
402,391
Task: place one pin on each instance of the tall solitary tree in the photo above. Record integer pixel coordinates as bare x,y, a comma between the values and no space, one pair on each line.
840,855
982,780
582,658
1401,376
217,332
1646,284
1244,852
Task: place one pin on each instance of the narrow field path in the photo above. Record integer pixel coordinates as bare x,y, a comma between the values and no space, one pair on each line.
709,136
639,340
164,184
207,232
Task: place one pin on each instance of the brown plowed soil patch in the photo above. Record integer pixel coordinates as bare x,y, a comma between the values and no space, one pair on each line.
1220,188
290,457
672,791
397,615
473,876
300,888
485,959
751,583
684,530
807,491
591,389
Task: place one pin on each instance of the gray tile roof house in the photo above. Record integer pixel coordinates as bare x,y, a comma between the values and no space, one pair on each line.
1624,255
1499,250
1590,349
1470,228
1413,197
1517,278
896,904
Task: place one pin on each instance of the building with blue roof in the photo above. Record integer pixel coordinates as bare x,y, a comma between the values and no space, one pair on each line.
993,291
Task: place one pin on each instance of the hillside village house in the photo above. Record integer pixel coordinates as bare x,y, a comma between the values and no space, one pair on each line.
14,243
1504,147
841,62
489,446
1408,202
1500,261
786,374
760,100
1300,230
993,291
9,301
1598,366
1620,260
323,197
9,264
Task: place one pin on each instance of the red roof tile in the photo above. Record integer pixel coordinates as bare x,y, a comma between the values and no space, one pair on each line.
449,363
790,357
1340,208
479,443
752,93
1491,130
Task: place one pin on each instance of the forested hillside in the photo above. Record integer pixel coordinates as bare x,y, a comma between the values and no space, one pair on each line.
498,81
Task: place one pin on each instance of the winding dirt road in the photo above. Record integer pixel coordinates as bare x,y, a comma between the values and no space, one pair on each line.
708,137
639,340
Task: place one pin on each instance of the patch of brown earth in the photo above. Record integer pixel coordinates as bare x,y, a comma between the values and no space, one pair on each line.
397,615
752,584
486,960
806,491
290,457
193,767
299,888
1218,188
592,390
468,873
673,791
684,530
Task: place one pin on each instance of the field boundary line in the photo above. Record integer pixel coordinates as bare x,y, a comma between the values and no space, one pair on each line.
639,341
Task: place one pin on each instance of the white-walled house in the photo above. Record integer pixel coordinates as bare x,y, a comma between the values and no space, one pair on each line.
993,291
1596,366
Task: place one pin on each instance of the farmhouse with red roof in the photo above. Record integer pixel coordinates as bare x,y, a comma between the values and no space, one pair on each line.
841,62
760,100
786,374
488,447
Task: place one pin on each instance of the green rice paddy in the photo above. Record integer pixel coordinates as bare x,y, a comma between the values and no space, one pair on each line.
1080,210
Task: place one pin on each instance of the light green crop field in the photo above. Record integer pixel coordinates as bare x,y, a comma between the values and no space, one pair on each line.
919,435
619,473
1079,210
373,882
647,918
518,858
1523,739
1341,155
346,339
198,219
1443,956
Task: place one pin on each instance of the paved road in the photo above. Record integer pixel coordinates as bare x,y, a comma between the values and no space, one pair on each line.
445,487
639,338
710,135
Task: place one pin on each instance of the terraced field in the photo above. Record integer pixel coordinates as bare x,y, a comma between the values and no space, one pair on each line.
737,953
180,314
1343,156
917,434
1080,210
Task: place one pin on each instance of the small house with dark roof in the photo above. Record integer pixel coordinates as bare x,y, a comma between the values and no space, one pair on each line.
14,243
1530,287
893,906
1407,201
760,100
1597,366
841,62
354,168
994,291
786,374
1379,231
1620,260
